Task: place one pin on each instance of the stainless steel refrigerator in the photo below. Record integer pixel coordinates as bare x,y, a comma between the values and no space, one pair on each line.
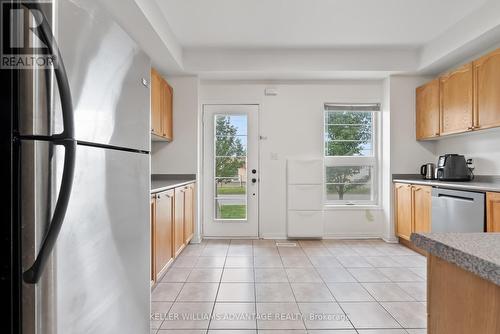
80,185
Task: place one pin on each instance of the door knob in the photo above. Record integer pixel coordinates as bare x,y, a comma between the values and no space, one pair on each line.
254,180
254,171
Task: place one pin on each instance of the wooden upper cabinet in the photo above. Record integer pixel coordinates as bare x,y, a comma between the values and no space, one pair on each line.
167,120
404,208
427,109
156,94
189,213
456,100
422,208
486,91
161,108
163,230
492,212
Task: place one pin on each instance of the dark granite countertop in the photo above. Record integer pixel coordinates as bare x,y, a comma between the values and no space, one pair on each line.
478,253
480,183
161,182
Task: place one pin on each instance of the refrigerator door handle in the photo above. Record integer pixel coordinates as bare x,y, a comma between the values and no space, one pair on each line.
44,32
33,274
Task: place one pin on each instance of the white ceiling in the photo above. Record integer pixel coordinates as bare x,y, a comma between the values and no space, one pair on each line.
311,23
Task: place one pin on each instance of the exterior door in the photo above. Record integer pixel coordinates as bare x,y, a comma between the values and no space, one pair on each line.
231,170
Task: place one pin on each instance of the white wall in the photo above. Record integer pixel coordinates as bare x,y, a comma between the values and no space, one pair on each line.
180,156
483,146
292,124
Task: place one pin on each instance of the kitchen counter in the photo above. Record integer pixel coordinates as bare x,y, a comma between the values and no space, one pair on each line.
480,183
161,182
463,282
478,253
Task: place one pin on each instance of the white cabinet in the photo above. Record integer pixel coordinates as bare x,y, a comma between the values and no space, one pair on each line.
305,198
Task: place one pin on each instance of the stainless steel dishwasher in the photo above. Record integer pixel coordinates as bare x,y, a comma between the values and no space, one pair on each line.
457,211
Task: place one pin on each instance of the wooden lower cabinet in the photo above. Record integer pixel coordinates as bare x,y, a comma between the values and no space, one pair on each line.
163,231
403,200
492,212
422,198
189,205
459,302
179,241
413,209
172,226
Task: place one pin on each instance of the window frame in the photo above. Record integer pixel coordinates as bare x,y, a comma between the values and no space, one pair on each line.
372,161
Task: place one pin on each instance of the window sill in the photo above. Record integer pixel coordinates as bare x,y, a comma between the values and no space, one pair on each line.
334,207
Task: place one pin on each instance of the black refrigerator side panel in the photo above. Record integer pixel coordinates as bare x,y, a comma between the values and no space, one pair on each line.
9,227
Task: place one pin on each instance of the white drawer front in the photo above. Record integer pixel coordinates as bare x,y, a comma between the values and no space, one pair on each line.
305,197
302,224
305,171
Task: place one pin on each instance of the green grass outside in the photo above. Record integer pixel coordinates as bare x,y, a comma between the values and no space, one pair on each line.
233,212
231,190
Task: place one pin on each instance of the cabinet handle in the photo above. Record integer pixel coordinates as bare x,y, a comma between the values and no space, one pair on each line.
436,134
416,189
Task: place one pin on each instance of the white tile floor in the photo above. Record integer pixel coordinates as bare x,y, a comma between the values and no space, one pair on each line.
329,286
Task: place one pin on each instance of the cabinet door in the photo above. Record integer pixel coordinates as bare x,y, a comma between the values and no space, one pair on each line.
486,88
167,114
163,230
422,208
456,100
427,110
492,212
152,258
179,221
189,213
156,92
403,200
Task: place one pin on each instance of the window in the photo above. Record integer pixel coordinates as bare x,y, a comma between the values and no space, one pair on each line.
350,154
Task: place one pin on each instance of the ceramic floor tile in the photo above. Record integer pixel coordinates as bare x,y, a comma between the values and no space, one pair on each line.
325,261
238,275
316,251
234,316
182,331
279,316
274,292
214,251
420,271
418,290
267,262
264,243
240,250
174,275
417,331
382,262
270,275
408,314
166,292
303,275
349,292
236,292
234,331
239,262
210,262
159,311
291,251
411,260
265,251
198,292
296,262
369,315
188,316
311,243
401,275
311,292
185,262
387,292
332,331
354,261
323,316
205,275
335,275
368,274
382,331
